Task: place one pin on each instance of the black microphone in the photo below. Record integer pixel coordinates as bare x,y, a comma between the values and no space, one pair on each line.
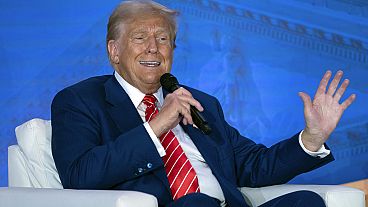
170,83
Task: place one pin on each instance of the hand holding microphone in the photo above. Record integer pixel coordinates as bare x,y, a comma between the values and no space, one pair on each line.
179,105
171,84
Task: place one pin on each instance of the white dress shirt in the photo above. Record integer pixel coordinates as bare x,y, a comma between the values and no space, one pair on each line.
208,183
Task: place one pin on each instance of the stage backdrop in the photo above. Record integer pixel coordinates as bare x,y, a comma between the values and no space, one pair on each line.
254,53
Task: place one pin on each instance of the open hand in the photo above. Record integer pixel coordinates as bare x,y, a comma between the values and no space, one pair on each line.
324,112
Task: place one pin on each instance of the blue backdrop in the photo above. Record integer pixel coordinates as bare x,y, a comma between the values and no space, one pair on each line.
259,54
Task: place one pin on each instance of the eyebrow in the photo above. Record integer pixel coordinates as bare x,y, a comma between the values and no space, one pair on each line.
142,30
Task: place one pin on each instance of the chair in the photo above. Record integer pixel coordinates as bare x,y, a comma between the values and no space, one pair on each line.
34,181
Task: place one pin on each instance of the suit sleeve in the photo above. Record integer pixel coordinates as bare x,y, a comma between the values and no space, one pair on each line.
256,165
83,159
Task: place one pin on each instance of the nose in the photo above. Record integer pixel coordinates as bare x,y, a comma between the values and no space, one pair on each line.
152,45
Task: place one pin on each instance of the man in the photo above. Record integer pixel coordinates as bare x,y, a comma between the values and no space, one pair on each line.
125,132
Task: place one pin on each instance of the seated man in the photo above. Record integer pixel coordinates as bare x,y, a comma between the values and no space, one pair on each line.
123,131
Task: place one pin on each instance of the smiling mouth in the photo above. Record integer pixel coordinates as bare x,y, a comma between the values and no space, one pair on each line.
150,63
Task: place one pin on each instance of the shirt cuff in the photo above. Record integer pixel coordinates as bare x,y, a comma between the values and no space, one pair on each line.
321,153
155,140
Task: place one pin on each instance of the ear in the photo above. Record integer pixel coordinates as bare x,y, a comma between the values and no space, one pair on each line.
113,51
174,42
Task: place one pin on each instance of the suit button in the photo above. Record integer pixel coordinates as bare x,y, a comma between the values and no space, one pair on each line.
149,165
140,170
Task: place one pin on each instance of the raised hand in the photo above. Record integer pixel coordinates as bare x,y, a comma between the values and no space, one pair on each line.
324,112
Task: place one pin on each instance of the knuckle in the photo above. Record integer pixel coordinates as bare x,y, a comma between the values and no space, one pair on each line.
177,91
170,96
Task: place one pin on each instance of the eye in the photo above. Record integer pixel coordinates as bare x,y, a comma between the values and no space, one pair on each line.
138,39
163,39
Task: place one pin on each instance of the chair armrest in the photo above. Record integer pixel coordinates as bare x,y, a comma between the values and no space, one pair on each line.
45,197
334,195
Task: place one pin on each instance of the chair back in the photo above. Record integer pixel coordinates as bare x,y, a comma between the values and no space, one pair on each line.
30,163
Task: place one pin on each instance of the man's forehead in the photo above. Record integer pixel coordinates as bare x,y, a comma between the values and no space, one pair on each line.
144,24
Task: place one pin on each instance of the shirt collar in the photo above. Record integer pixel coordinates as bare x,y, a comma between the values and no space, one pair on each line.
135,94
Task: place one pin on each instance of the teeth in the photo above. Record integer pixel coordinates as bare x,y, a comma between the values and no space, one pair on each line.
150,63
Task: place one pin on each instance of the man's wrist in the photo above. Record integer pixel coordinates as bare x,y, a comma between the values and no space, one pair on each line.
155,126
155,139
321,152
309,142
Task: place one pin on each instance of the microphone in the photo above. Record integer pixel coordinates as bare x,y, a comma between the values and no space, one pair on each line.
170,83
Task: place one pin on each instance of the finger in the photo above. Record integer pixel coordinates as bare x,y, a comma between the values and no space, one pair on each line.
186,115
185,105
182,91
191,101
334,83
306,100
348,101
341,90
185,122
323,84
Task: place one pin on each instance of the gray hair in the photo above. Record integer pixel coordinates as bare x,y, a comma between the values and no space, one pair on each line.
130,10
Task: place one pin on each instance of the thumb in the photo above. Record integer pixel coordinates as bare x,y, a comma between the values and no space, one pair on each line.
306,100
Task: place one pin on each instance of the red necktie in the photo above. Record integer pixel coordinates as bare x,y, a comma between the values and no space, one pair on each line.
180,172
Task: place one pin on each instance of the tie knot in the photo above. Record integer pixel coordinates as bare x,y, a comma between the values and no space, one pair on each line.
149,100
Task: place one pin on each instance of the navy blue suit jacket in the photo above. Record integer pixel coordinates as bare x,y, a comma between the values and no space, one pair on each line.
99,142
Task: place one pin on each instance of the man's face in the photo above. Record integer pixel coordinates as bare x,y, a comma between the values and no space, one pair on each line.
144,52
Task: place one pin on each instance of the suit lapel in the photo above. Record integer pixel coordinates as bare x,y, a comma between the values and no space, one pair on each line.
126,117
121,110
